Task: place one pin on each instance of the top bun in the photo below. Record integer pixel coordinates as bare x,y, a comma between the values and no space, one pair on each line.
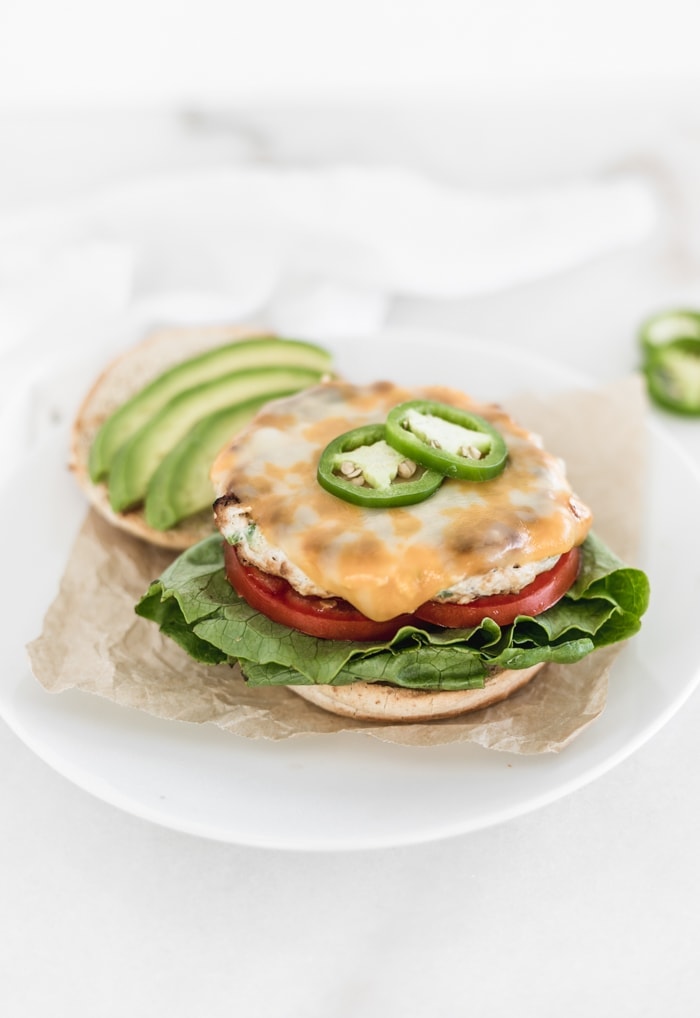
123,378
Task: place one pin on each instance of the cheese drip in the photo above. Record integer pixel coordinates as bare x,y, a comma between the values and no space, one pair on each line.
389,561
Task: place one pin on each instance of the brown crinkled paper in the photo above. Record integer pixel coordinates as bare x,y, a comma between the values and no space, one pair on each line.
92,639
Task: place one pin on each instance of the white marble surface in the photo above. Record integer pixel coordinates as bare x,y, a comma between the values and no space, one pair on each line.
589,905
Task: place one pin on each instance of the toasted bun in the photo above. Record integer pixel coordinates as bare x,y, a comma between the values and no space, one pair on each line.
376,701
117,383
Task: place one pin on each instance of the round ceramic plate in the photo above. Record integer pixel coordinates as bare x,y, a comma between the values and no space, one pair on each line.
348,791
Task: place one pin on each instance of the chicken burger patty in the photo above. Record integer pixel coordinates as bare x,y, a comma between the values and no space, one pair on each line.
467,541
239,529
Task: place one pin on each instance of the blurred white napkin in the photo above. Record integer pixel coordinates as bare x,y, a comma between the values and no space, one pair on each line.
310,252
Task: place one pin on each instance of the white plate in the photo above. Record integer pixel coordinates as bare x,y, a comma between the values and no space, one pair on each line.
349,791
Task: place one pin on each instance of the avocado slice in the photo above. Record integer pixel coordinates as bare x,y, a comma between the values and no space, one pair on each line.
137,460
181,487
267,351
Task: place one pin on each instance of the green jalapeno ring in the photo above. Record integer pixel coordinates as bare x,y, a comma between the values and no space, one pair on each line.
485,451
398,493
672,372
668,326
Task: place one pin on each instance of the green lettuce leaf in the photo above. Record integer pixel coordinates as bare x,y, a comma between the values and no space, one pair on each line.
194,605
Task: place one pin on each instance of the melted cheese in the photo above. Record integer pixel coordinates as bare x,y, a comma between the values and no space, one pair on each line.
389,561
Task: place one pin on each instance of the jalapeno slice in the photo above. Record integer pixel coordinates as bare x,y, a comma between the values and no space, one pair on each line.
673,375
444,438
360,467
667,327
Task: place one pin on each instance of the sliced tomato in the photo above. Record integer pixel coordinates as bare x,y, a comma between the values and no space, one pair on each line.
544,591
336,619
325,618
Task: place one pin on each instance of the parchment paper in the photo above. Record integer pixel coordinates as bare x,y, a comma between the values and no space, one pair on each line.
92,639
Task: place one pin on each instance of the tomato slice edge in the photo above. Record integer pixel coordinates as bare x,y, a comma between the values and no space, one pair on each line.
544,591
325,618
336,619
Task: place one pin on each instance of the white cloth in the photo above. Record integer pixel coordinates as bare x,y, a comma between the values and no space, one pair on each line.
309,252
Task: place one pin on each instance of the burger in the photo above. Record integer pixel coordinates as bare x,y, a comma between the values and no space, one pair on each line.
394,554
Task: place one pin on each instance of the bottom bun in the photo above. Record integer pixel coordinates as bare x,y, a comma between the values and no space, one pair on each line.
377,701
